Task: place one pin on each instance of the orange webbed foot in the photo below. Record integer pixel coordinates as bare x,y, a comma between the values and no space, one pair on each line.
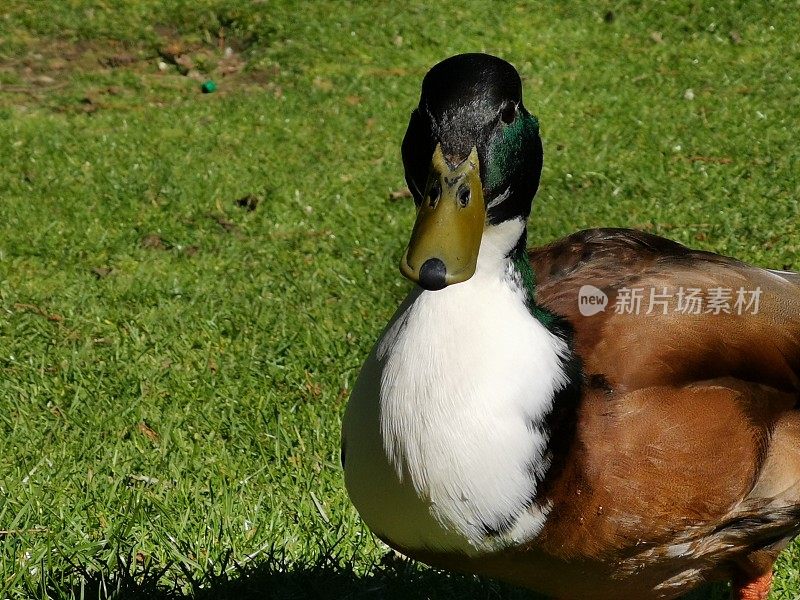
754,589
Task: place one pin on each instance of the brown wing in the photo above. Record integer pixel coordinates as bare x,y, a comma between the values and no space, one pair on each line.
630,350
688,427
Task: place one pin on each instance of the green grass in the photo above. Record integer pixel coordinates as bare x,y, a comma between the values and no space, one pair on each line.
173,367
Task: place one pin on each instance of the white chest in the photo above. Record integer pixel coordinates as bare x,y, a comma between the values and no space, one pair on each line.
444,433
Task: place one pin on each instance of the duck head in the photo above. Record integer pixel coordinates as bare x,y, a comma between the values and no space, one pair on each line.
473,157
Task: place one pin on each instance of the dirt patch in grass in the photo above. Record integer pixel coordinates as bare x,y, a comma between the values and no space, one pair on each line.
87,76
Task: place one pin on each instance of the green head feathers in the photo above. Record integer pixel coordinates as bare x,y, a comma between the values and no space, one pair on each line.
475,101
507,153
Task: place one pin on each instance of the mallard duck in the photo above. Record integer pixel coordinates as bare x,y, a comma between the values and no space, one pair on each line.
519,419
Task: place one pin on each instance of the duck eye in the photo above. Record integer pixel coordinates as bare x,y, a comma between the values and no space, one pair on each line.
434,192
508,112
464,196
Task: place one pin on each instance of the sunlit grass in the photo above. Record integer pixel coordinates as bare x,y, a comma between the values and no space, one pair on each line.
173,366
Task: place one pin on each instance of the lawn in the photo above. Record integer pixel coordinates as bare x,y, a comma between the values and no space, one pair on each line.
189,282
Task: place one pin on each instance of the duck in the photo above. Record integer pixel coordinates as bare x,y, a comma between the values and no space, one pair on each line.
610,416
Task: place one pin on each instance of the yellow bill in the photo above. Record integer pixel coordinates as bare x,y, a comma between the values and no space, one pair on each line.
444,244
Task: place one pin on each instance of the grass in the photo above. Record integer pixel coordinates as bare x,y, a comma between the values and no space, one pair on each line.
174,365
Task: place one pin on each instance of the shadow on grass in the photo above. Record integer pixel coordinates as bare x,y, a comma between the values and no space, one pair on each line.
274,579
328,582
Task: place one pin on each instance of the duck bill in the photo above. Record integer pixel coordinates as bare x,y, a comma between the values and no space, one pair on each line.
446,239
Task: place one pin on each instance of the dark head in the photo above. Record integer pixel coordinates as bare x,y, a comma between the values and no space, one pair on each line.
472,156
